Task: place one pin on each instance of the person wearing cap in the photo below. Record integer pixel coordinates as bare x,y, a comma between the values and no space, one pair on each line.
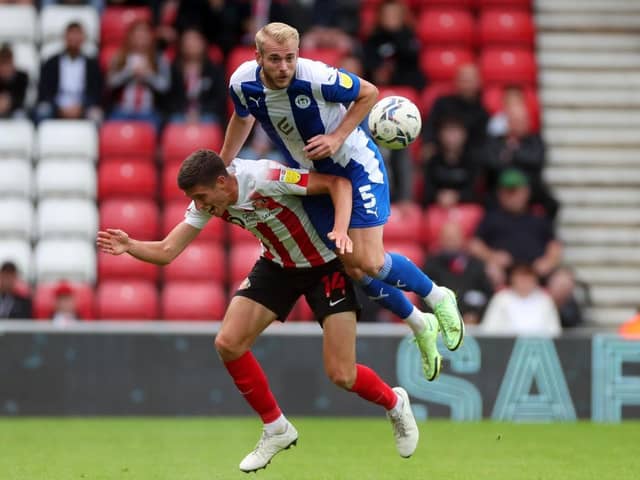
64,309
510,233
13,305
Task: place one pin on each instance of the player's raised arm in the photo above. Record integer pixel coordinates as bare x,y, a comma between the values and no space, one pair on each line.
236,134
117,242
339,189
323,146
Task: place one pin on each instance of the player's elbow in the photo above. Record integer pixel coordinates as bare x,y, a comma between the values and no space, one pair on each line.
168,254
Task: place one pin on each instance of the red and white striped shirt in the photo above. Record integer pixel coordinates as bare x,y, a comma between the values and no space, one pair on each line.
269,206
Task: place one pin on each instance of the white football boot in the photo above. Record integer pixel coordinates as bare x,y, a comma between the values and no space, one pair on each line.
405,428
267,448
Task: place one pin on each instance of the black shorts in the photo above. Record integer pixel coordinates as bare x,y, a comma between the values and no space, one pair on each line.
327,288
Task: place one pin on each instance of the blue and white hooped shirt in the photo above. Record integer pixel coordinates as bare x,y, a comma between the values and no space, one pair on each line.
313,104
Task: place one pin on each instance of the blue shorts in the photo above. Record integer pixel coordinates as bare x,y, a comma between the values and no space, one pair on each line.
371,201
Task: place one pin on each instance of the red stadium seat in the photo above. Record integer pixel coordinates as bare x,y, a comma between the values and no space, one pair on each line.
174,214
492,100
237,56
139,218
446,26
368,14
404,224
329,56
447,3
44,300
506,27
105,57
115,22
180,140
242,259
412,250
503,66
126,178
467,215
214,53
441,64
134,140
239,235
125,267
193,301
127,300
200,261
170,190
432,92
482,4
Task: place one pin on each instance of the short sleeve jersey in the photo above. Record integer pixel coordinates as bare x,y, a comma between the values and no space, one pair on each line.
269,205
313,104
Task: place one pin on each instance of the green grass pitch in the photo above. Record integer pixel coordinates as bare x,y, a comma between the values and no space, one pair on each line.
331,449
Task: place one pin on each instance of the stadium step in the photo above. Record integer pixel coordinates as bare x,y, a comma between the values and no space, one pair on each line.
600,216
623,97
571,6
569,59
579,235
589,79
587,157
603,196
620,296
618,42
598,256
619,137
613,275
607,316
588,22
607,119
617,177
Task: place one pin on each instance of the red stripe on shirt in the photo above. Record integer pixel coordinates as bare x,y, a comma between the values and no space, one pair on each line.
273,239
300,235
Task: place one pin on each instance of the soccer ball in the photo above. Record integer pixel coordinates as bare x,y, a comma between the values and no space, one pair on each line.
394,122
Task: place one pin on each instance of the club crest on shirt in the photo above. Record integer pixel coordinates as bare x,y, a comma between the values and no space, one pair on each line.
302,101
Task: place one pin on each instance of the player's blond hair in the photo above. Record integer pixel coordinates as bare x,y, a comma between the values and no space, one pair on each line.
280,32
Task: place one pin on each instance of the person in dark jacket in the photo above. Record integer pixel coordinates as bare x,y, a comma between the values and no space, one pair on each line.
13,85
13,305
70,82
198,90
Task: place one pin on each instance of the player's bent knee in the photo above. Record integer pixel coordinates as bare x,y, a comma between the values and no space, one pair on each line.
227,348
371,266
341,376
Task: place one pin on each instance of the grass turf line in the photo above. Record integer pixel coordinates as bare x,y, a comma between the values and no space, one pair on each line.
329,449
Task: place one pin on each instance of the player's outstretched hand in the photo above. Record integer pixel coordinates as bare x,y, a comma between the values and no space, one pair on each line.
113,241
321,146
342,241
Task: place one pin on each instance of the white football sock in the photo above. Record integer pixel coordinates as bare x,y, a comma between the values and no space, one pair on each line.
279,425
416,321
435,295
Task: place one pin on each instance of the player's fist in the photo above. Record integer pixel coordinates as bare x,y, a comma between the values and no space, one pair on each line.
115,242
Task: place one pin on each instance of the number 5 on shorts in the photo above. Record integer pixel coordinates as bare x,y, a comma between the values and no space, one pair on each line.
368,197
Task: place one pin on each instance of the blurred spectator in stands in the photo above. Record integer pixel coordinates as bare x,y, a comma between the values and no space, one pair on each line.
561,285
391,51
631,328
198,87
335,26
138,77
13,85
452,266
70,82
13,304
17,2
465,103
498,124
512,234
260,146
523,308
451,174
64,308
223,22
522,149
